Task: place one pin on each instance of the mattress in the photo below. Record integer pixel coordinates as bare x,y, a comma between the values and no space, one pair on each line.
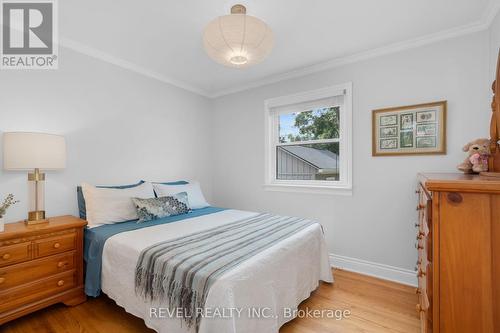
259,295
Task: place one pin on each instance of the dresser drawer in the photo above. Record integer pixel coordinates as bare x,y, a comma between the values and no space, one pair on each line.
53,245
23,273
15,253
40,265
15,297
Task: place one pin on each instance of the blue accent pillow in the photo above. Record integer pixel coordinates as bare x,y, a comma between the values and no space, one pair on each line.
81,200
178,182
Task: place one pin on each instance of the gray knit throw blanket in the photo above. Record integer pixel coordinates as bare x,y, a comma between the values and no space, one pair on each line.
182,270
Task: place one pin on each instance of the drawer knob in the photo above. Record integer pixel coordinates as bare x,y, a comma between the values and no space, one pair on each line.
420,273
2,280
6,256
57,245
455,198
60,283
61,264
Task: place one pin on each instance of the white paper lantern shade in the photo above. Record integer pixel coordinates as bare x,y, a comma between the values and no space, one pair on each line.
238,40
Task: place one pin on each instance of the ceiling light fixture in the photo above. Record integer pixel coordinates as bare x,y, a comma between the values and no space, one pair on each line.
238,40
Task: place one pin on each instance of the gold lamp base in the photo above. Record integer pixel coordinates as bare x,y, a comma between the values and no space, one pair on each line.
37,213
36,217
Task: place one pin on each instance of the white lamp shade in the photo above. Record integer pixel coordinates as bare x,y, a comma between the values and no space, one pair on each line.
28,151
238,40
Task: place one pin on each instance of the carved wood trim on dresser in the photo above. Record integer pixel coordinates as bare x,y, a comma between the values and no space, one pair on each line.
458,241
40,265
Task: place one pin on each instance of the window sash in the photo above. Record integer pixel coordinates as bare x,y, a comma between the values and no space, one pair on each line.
276,143
276,115
309,142
285,104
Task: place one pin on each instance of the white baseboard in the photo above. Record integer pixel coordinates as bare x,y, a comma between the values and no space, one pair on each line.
386,272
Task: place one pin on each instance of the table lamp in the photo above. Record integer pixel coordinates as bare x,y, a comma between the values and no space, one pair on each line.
34,152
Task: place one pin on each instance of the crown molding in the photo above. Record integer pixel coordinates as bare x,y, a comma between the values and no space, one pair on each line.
106,57
483,23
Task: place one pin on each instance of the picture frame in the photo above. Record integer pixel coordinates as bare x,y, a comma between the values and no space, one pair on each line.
409,130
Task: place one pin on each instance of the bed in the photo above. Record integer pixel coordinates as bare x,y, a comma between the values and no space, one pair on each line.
258,295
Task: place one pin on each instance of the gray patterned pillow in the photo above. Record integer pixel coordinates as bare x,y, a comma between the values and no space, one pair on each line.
157,208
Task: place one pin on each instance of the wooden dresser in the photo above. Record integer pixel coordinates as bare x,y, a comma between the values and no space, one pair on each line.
458,242
40,265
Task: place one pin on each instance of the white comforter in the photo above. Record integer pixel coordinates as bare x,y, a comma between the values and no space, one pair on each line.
266,286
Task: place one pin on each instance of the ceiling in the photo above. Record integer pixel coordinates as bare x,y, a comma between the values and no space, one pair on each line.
163,38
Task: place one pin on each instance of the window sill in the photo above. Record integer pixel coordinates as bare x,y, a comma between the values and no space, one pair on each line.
312,189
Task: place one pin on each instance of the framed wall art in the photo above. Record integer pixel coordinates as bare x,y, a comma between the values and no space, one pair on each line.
408,130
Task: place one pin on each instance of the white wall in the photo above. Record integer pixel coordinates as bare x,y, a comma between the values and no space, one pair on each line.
120,127
376,223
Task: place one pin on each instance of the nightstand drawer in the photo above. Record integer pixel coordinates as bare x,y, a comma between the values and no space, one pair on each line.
20,274
55,245
40,265
13,254
41,289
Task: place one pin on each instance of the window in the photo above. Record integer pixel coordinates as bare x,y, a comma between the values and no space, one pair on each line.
308,144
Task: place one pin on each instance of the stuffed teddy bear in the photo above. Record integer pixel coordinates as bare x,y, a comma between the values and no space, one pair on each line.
477,159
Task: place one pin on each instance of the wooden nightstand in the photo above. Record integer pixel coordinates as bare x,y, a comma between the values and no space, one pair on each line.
40,265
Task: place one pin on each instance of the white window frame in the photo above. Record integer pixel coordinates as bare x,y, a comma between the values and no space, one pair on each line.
344,185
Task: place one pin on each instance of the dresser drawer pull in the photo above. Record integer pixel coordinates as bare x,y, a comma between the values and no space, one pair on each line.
6,256
60,283
61,264
420,273
2,280
454,197
57,245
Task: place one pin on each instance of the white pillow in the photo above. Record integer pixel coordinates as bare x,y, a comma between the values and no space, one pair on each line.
112,205
195,196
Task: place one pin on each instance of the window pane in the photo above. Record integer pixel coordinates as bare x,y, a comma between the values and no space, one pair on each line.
319,161
309,125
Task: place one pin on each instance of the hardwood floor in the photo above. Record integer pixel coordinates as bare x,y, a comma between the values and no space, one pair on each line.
375,306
